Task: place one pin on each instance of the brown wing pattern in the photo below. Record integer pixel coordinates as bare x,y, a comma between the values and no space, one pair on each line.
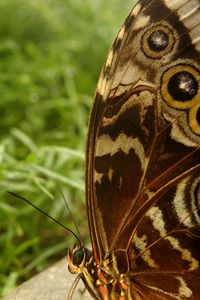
100,102
143,154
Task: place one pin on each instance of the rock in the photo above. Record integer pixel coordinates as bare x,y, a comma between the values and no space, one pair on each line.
51,284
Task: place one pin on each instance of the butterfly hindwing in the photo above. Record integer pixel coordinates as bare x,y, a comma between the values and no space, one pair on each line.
135,113
143,158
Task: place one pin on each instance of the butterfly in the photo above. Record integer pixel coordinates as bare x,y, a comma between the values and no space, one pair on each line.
143,160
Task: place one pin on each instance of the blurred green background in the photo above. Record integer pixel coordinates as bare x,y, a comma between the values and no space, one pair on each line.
51,53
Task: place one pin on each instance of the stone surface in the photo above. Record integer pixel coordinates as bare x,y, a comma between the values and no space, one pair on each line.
51,284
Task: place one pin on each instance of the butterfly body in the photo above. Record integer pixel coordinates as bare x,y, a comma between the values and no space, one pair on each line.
143,158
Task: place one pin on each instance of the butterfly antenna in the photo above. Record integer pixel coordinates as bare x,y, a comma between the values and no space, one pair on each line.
69,210
46,214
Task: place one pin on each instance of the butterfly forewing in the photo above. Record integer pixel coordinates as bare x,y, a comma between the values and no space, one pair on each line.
143,157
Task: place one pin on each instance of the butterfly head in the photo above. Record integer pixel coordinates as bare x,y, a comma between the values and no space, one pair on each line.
78,257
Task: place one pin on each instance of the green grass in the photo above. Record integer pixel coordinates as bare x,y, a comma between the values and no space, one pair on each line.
51,53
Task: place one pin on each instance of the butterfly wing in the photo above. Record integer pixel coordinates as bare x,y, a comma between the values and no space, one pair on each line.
101,101
143,157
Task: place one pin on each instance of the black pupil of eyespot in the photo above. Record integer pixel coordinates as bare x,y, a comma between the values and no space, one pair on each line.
158,40
182,86
78,257
198,115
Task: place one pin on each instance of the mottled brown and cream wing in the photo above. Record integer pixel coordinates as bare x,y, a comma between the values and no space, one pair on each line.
143,153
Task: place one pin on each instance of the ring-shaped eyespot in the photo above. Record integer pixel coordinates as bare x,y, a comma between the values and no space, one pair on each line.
180,86
194,119
158,41
197,197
